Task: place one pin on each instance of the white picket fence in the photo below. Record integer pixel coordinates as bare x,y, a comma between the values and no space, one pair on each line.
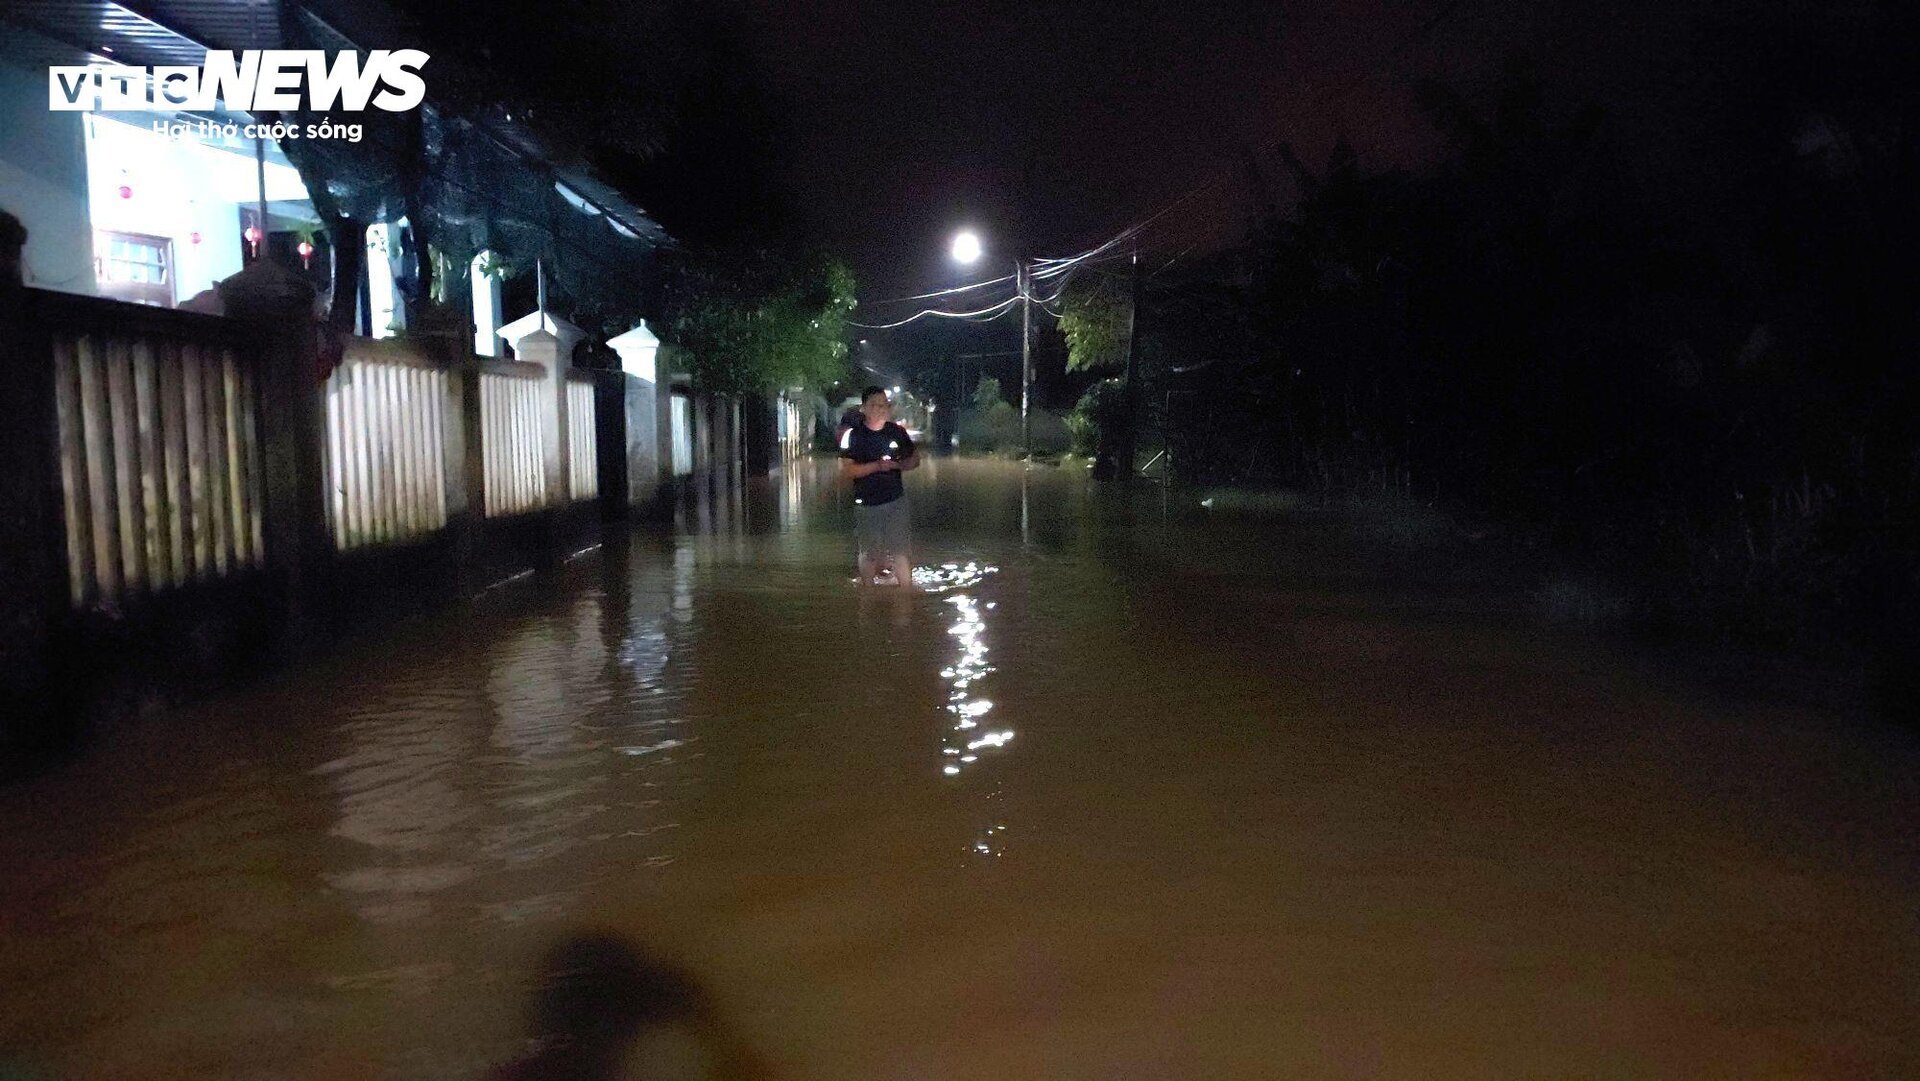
385,445
160,463
584,456
513,401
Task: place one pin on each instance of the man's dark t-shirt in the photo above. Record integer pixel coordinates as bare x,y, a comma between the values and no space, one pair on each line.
865,445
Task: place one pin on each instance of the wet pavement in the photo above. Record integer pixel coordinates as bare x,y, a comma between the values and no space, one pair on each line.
1127,792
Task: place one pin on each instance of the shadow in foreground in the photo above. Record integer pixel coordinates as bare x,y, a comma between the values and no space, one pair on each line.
604,1010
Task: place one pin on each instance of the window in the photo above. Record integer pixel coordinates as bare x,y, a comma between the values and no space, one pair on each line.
135,267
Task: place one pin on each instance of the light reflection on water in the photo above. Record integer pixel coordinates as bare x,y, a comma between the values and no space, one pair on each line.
950,576
962,742
964,739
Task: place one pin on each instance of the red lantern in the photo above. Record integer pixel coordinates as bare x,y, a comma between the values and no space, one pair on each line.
306,254
252,235
126,191
194,236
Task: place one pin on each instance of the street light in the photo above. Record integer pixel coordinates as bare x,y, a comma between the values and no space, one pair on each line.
966,248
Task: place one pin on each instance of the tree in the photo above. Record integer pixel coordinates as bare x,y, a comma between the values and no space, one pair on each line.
1094,318
986,393
759,322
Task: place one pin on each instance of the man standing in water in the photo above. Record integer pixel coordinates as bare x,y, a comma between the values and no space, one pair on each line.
873,455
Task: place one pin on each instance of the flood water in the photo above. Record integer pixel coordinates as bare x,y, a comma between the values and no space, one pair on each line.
1126,793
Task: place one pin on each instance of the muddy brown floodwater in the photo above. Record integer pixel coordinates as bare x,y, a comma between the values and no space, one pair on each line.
1127,793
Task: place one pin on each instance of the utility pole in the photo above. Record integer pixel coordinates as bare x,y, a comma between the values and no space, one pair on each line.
1024,283
1130,393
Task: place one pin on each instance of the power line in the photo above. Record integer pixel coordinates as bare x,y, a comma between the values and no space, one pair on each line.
1046,268
987,314
1005,304
1056,293
1183,254
994,311
942,292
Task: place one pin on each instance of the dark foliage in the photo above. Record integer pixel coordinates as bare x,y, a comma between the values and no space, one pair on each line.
1695,369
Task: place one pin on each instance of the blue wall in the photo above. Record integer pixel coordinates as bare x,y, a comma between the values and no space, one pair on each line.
43,180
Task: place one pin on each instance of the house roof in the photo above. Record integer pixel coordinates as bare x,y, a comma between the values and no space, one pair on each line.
145,33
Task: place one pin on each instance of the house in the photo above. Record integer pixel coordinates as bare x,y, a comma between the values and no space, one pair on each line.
155,207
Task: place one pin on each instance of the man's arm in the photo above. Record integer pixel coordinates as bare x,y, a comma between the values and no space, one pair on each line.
911,459
853,470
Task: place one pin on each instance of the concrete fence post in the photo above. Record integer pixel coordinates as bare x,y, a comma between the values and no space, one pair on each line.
665,421
543,348
547,340
31,560
736,442
700,409
644,403
277,305
611,444
761,419
466,475
448,338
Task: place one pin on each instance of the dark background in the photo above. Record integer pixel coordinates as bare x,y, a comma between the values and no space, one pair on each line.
1632,281
876,129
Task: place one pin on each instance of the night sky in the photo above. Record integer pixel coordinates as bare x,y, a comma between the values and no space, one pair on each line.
913,119
1055,125
882,126
874,130
909,119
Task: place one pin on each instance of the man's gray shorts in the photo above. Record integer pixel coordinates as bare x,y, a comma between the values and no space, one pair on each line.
883,531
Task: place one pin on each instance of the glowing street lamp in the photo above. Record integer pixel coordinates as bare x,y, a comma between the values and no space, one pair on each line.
966,248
